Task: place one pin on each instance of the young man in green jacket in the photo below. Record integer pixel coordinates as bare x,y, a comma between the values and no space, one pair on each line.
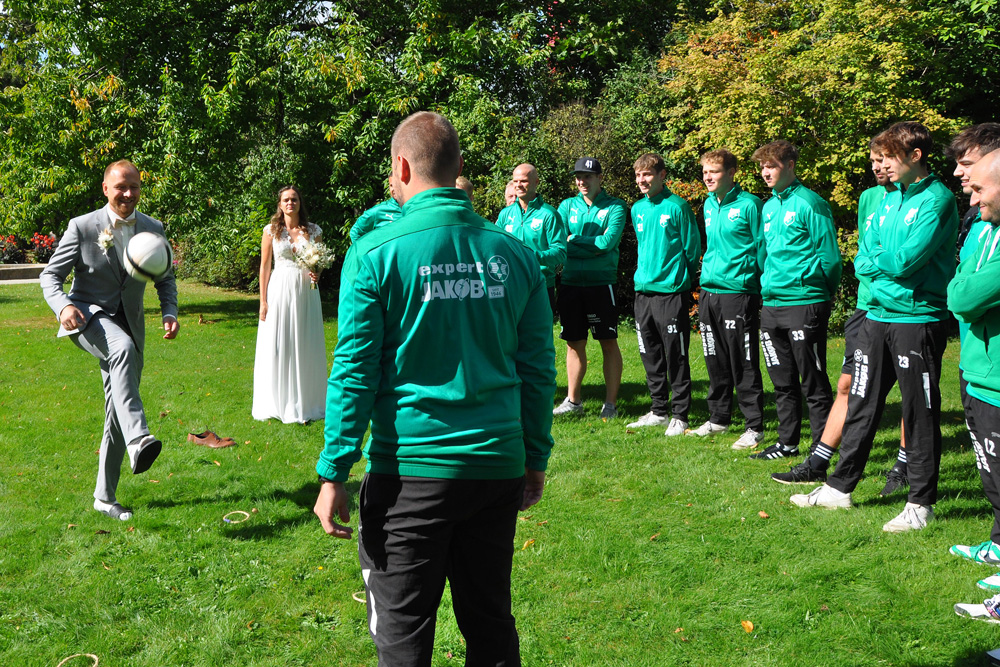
974,297
537,225
909,258
729,303
800,277
967,149
377,216
814,467
594,220
669,246
445,345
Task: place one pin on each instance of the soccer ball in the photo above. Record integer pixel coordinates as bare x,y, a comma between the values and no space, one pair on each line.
148,256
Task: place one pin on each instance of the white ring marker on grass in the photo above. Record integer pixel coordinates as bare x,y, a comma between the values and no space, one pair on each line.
226,518
361,599
80,655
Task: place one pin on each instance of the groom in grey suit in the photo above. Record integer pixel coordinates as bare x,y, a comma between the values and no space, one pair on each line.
103,316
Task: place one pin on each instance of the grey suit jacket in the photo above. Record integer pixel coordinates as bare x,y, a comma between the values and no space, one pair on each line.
99,282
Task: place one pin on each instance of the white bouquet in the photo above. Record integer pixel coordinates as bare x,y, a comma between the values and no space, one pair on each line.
314,256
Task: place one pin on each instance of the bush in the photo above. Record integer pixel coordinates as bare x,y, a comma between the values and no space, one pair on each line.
44,246
10,251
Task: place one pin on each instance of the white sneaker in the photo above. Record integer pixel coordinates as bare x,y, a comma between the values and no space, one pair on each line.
913,517
823,496
568,407
708,428
649,419
609,411
750,438
988,611
676,427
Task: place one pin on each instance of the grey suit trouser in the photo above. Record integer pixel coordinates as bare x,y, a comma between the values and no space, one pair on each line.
108,339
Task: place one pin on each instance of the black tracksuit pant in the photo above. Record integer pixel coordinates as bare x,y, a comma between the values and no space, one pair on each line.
413,533
663,324
983,421
793,339
730,325
909,353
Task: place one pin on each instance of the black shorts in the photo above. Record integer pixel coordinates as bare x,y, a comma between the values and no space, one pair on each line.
583,308
851,331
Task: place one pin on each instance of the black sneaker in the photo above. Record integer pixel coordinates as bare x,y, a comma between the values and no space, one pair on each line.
895,480
800,474
776,451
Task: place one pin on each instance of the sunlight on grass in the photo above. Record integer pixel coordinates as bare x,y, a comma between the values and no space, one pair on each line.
644,550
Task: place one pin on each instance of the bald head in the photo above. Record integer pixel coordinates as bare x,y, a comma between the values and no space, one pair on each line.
984,180
525,182
429,145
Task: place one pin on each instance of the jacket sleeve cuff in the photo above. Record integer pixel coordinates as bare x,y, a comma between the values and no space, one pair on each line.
332,472
536,462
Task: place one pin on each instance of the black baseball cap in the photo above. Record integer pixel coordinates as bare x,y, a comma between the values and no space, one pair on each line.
587,165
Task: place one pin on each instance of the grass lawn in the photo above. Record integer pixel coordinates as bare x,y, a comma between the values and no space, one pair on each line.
643,551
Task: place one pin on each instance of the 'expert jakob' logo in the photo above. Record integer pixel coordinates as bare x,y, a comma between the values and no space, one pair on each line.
467,281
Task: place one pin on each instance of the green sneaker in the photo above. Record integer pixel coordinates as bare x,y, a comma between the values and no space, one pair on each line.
986,552
991,583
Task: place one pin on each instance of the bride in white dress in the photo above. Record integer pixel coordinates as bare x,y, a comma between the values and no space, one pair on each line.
290,373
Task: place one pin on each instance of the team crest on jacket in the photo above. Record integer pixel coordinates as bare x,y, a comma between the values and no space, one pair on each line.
536,224
911,215
663,219
498,268
603,213
734,214
789,217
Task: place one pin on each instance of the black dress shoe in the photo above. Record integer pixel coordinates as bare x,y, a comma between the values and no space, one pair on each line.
145,454
895,480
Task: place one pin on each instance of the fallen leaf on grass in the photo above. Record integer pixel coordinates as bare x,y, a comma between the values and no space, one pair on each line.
678,630
543,523
72,525
824,608
247,442
253,511
259,457
747,626
763,515
102,532
613,500
653,536
524,518
106,567
527,544
131,529
689,505
448,655
628,430
154,481
217,463
685,639
170,475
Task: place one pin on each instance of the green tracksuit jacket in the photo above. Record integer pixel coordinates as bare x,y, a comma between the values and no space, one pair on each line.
977,230
802,259
974,297
376,217
734,243
668,242
910,255
870,211
541,229
445,344
594,234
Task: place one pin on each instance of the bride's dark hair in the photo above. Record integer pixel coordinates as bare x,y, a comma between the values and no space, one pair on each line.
278,219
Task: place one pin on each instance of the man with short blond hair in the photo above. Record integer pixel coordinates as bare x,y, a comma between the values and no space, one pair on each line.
103,316
445,346
536,224
729,303
668,245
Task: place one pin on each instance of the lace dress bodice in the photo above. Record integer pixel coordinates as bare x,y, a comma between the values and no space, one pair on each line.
283,247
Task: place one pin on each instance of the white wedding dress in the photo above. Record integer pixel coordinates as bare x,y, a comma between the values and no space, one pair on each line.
289,372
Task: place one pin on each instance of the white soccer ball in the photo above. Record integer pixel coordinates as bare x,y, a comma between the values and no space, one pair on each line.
148,256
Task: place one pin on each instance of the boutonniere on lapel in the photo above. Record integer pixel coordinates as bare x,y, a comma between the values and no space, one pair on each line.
106,240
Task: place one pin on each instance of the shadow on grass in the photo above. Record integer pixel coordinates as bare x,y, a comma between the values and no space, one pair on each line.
973,657
305,498
229,310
